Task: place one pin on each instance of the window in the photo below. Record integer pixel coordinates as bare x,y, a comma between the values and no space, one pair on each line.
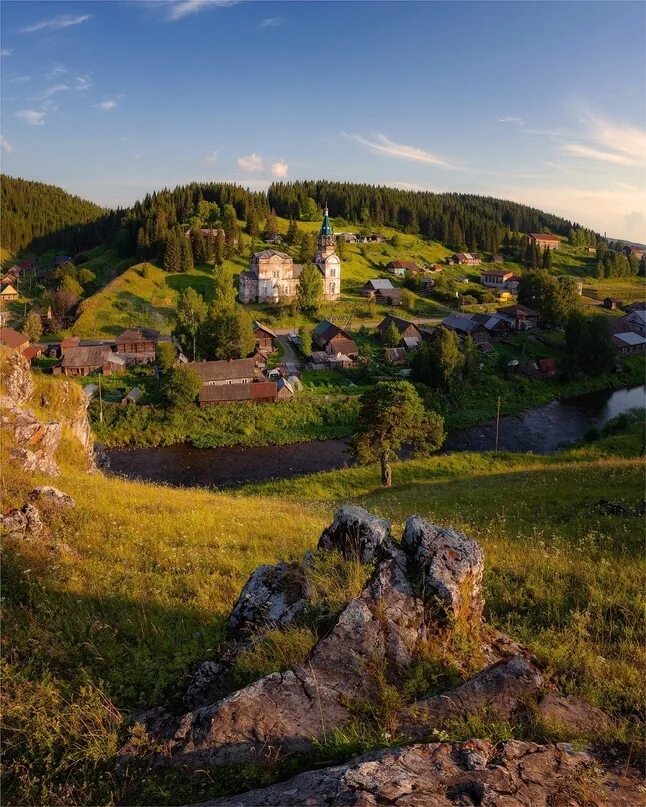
332,272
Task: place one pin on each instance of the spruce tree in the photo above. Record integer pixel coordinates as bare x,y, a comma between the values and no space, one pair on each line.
185,255
172,260
292,232
198,245
219,248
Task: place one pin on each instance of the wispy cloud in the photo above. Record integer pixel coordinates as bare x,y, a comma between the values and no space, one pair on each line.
32,116
270,22
178,9
17,80
279,169
53,90
5,145
55,71
6,52
83,82
387,148
516,119
250,163
212,157
111,103
55,23
610,142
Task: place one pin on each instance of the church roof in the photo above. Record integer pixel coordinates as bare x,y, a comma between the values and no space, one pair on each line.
326,227
269,253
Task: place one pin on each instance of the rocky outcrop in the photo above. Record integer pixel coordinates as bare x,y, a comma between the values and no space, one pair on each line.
50,496
356,533
497,692
18,383
570,714
273,595
450,566
515,774
33,442
22,523
374,640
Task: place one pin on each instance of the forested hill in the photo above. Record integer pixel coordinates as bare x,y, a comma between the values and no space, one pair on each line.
452,218
36,216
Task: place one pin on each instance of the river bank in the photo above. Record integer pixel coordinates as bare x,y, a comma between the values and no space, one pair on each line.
541,430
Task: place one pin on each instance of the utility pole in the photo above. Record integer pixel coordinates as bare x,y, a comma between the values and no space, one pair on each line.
497,424
100,403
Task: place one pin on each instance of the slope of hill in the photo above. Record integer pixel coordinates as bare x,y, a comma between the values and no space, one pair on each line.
37,217
112,607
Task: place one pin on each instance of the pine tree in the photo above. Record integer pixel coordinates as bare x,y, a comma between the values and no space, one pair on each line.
219,248
292,232
271,226
546,262
198,245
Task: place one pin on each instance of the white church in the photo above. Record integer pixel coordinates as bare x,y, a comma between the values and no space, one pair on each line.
273,275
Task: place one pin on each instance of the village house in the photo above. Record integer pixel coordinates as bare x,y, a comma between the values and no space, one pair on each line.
465,258
273,275
463,325
496,325
399,268
495,278
82,360
497,259
544,240
382,291
8,293
139,344
521,317
32,352
409,334
628,342
634,320
13,340
225,373
321,360
333,340
284,390
5,316
629,250
264,337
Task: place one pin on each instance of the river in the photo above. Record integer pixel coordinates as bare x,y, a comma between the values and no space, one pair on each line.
541,430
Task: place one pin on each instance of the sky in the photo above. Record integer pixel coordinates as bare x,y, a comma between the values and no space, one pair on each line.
539,102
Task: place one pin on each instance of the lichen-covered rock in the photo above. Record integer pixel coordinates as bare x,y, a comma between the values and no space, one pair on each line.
515,774
496,692
356,533
18,383
570,713
35,443
46,494
23,523
450,566
273,595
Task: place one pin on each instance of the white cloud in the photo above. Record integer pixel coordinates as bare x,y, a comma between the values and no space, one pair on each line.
212,157
512,119
5,145
55,71
17,80
383,146
83,82
280,168
31,116
53,90
250,162
6,52
618,143
179,9
270,22
109,104
55,23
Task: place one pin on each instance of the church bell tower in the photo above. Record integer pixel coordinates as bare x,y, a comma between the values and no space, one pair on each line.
327,260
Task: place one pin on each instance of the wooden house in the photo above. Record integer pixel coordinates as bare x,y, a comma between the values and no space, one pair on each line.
8,294
264,337
544,240
333,340
383,291
521,317
13,340
138,343
409,334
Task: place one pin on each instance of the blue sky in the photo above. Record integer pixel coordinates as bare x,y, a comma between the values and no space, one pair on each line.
544,103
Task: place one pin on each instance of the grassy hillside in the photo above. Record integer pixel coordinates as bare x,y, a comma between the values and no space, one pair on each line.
133,585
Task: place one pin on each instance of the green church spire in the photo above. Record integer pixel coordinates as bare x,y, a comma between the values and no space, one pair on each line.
326,227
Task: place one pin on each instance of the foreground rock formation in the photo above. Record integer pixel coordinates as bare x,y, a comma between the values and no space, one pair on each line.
419,595
516,774
34,442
